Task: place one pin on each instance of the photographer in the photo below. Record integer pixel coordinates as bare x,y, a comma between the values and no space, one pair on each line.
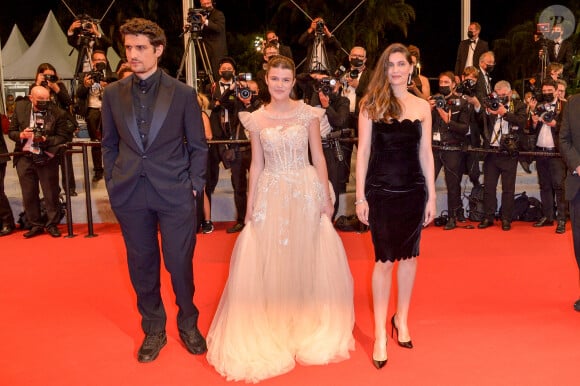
47,77
327,49
546,120
90,95
229,96
213,32
328,96
502,119
38,127
467,90
450,117
84,35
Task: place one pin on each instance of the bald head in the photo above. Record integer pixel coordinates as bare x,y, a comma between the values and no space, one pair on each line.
37,94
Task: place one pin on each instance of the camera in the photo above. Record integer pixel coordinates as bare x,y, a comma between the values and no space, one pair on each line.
545,114
98,74
48,78
243,92
341,70
467,87
494,102
440,101
543,98
319,27
509,144
87,25
326,85
194,19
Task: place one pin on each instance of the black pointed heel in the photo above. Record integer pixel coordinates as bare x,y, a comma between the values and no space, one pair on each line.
380,364
408,344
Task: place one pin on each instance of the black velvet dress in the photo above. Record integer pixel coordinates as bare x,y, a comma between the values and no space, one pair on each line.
395,190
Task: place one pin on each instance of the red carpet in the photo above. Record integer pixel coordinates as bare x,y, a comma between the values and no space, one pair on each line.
489,308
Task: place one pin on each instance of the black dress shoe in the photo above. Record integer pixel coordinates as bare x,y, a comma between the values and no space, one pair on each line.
194,341
526,166
151,346
486,223
506,225
53,231
461,215
236,228
561,227
34,231
6,230
98,176
577,305
72,193
451,224
544,222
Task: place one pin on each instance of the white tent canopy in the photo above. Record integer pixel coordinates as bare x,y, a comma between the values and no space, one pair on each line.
50,46
15,46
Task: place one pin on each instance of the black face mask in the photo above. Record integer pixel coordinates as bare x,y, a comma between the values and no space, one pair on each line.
356,62
444,90
228,75
470,34
209,9
42,105
273,41
549,97
489,68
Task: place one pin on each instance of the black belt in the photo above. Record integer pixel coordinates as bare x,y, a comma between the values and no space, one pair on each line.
93,108
546,149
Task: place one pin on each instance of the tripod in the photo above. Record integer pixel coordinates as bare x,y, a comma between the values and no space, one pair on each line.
198,49
318,57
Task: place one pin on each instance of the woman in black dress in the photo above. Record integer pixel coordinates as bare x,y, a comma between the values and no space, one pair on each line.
395,187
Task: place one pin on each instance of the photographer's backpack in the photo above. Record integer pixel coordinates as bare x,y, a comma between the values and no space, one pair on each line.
476,210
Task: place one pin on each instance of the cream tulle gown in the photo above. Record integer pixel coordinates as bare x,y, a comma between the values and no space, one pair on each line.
289,295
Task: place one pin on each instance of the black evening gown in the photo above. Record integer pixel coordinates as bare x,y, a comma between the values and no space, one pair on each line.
395,190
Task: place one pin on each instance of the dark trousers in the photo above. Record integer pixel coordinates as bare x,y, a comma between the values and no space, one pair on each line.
452,161
213,170
551,176
498,165
6,215
338,171
30,176
240,168
140,218
575,220
94,127
471,166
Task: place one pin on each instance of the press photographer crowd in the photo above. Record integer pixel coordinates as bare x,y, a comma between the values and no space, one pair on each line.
481,126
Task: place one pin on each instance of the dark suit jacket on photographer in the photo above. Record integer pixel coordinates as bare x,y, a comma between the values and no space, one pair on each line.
535,129
83,91
56,127
452,133
331,45
515,117
214,38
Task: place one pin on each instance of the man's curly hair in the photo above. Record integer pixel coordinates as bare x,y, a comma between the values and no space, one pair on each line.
139,26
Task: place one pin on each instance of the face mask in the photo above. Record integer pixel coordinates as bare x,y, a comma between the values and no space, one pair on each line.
489,67
273,41
549,97
228,75
356,62
209,9
444,90
470,34
42,105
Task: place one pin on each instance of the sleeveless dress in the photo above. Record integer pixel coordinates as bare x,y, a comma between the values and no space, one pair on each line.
395,190
289,294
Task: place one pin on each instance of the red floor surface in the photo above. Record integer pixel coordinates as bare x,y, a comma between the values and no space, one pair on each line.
489,308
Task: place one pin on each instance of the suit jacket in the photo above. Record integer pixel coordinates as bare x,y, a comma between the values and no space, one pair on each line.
175,158
56,127
3,149
82,92
463,50
555,130
214,39
331,45
565,54
516,120
570,144
285,51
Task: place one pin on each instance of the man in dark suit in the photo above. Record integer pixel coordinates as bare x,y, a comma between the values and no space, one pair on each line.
470,49
570,150
84,35
39,127
213,33
561,50
323,48
154,154
503,118
484,85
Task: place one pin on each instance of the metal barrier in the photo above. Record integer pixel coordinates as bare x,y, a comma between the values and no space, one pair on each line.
84,145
